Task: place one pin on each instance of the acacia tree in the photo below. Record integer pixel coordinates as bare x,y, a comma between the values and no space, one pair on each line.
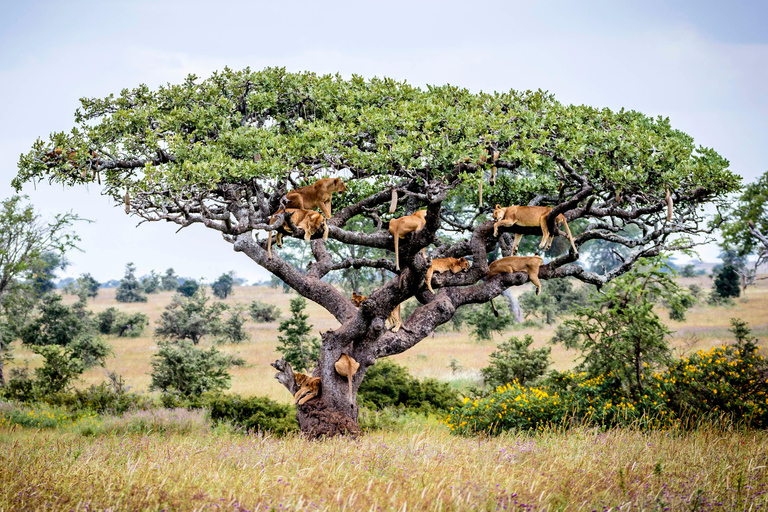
745,226
223,152
26,243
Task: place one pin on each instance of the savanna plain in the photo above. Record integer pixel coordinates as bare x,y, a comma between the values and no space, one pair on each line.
414,463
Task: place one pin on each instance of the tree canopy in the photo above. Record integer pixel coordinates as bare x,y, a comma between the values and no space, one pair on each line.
224,151
745,226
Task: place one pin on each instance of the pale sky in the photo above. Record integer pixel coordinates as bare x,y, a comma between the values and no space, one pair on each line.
704,64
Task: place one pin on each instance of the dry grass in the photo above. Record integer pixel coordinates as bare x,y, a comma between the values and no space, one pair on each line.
705,326
420,468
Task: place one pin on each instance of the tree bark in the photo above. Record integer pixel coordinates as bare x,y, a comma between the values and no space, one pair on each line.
514,305
2,376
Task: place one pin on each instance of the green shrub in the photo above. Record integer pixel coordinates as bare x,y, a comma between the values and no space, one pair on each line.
222,287
189,371
294,343
484,321
91,350
232,329
188,288
130,290
258,414
727,282
514,360
59,368
262,312
56,323
189,318
557,299
387,384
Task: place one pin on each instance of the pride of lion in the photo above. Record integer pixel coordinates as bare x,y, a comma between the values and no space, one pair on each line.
301,203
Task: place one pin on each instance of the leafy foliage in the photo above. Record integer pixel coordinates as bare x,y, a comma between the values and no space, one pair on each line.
189,318
222,287
231,329
188,371
169,281
115,322
752,206
85,287
556,299
60,368
130,290
387,384
262,312
727,282
257,414
91,350
55,323
188,288
619,334
295,345
484,322
515,361
151,283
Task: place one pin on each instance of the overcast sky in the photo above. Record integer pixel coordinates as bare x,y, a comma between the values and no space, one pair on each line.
704,64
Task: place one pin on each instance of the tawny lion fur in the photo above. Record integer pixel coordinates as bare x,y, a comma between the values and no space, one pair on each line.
527,264
308,220
317,195
531,216
347,367
455,265
309,388
402,226
394,317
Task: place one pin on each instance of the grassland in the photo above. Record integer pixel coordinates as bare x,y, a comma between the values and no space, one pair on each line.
704,327
185,464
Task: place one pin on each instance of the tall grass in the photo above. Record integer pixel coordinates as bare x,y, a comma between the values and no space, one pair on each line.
419,468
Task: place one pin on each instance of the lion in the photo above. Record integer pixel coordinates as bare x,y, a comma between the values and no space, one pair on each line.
394,317
317,195
309,388
455,265
402,226
531,216
347,367
308,220
527,264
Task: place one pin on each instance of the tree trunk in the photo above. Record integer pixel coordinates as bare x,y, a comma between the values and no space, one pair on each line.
332,412
514,305
2,376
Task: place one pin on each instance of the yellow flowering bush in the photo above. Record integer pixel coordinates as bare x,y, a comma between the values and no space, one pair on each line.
728,380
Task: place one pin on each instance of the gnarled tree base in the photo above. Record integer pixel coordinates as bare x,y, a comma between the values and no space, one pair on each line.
317,419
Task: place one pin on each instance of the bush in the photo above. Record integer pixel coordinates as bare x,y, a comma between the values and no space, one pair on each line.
262,312
59,368
151,283
256,414
188,288
231,330
56,324
387,384
115,322
130,290
484,322
727,282
188,371
169,281
91,350
557,299
299,349
189,318
515,361
222,287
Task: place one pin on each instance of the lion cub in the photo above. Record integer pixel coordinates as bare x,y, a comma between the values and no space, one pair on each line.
403,225
308,220
527,264
455,265
317,195
531,216
309,388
